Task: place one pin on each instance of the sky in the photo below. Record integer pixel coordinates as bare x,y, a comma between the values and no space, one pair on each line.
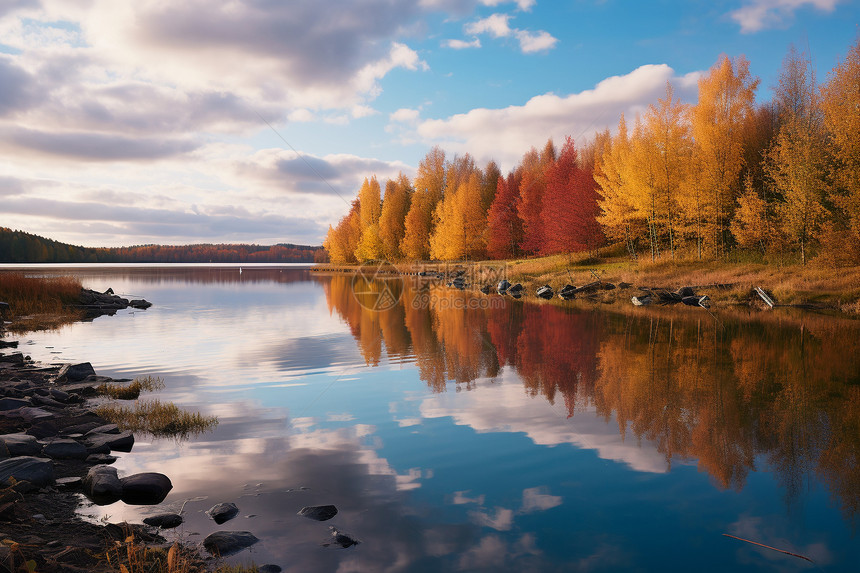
255,121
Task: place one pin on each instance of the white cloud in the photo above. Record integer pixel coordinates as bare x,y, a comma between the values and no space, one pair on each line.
537,499
462,44
301,115
405,115
497,26
757,15
538,42
504,134
523,5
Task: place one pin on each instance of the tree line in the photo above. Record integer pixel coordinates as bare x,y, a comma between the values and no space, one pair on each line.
21,247
702,181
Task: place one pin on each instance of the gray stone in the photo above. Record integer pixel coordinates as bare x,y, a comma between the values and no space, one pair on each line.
100,459
102,485
164,520
75,372
342,539
223,512
33,414
37,471
269,569
319,512
16,358
59,395
226,543
116,442
64,449
13,403
145,488
21,444
73,482
105,429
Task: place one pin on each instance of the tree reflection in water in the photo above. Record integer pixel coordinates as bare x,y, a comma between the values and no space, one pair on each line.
780,388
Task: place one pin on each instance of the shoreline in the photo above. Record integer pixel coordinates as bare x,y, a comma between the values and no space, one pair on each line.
727,284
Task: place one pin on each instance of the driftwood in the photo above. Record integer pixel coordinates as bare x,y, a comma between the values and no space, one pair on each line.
764,296
769,547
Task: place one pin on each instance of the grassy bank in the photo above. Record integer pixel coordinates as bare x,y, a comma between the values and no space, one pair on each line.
789,283
39,302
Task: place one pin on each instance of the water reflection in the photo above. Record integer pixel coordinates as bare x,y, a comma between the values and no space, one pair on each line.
727,394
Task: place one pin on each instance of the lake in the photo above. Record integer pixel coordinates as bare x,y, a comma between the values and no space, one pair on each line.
457,431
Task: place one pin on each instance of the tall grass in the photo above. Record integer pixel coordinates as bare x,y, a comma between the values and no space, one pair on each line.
38,295
157,418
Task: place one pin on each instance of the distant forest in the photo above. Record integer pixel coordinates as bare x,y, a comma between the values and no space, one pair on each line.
21,247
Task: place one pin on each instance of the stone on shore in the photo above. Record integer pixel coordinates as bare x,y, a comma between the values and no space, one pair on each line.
14,403
37,471
164,520
21,444
148,488
116,442
318,512
65,449
102,485
223,512
226,543
75,372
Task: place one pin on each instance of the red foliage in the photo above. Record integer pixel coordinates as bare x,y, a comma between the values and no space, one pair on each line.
505,228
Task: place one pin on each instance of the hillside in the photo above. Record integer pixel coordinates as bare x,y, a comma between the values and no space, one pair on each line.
21,247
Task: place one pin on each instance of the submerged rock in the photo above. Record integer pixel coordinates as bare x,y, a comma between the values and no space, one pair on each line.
115,442
148,488
342,539
164,520
318,512
223,512
226,543
75,372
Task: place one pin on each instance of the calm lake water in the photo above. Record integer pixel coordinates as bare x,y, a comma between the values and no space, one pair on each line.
461,432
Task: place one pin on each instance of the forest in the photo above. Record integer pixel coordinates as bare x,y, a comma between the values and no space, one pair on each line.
21,247
778,180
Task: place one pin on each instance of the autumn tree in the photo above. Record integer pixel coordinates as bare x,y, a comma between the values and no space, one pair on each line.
726,98
796,163
429,187
839,102
395,206
504,226
532,190
570,205
645,196
342,241
617,214
460,222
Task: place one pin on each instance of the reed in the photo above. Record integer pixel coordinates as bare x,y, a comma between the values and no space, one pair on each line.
131,391
38,295
161,419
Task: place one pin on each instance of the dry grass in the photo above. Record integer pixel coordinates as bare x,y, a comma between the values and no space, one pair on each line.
157,418
39,303
131,391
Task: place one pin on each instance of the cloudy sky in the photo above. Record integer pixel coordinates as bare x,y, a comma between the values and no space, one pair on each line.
154,121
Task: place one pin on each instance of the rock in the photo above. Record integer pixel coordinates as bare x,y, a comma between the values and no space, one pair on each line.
223,512
43,429
65,449
502,287
623,285
116,442
343,539
139,303
59,395
485,289
21,444
102,485
37,471
226,543
10,344
32,414
75,372
641,300
105,429
100,459
13,403
608,286
164,520
148,488
73,482
545,292
318,512
685,292
269,569
16,358
515,289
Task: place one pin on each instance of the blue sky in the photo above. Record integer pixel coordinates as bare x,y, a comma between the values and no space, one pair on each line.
149,121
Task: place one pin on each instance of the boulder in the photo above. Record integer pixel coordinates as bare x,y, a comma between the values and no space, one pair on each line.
65,449
226,543
343,539
503,286
100,459
73,482
318,512
223,512
164,520
17,358
545,292
269,569
148,488
75,372
37,471
44,429
21,444
139,303
105,429
32,415
516,289
102,485
122,442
